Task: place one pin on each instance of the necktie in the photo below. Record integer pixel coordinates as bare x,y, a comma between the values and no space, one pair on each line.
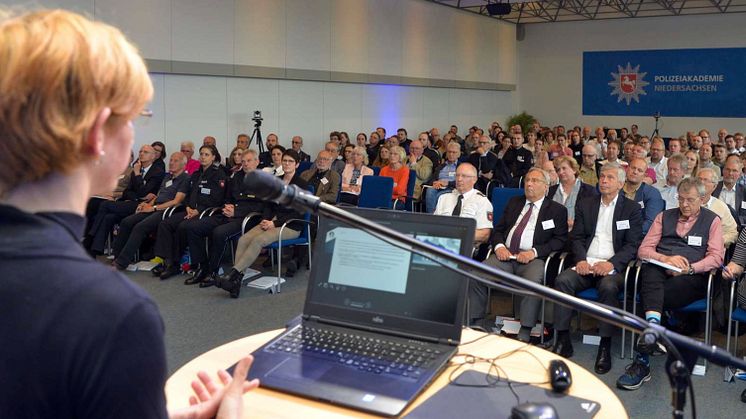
457,208
515,241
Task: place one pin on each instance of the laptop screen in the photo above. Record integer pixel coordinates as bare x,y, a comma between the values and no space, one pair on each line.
361,279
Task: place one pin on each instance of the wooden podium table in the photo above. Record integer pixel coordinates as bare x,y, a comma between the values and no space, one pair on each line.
264,403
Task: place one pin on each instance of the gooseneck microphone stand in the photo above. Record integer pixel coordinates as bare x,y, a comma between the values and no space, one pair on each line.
266,186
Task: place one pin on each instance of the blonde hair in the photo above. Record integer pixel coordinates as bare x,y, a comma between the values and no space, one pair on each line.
58,70
400,151
363,152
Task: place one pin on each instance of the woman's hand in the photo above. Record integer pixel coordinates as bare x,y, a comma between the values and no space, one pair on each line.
191,213
211,401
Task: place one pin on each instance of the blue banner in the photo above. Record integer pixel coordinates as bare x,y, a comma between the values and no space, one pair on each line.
674,82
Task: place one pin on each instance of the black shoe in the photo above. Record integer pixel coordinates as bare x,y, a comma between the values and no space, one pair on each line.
603,360
743,396
563,348
117,266
158,269
292,269
231,282
198,277
208,281
170,271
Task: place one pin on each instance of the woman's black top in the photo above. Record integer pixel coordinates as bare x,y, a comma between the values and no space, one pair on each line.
207,188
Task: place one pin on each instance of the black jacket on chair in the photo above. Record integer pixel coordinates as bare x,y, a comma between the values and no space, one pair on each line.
546,241
626,239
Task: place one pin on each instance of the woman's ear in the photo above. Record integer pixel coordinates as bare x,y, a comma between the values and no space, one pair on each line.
95,137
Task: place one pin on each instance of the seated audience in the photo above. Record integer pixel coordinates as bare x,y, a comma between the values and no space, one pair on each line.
296,143
268,230
719,154
570,189
645,195
710,180
443,179
692,158
576,145
239,203
352,175
488,165
465,201
729,191
560,148
338,164
677,167
548,167
502,144
187,149
143,184
210,140
429,151
234,161
135,228
361,140
242,141
518,159
705,159
382,159
675,146
422,166
690,238
206,190
604,239
265,157
587,172
398,171
658,162
275,167
348,153
612,154
325,181
530,228
95,202
374,146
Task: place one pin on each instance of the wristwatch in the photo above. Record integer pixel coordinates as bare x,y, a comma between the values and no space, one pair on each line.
155,207
691,270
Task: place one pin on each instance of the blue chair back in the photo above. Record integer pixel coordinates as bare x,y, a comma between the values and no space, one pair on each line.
500,198
376,170
376,192
304,165
409,201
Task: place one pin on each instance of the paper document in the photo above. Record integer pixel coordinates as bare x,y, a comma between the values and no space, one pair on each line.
663,265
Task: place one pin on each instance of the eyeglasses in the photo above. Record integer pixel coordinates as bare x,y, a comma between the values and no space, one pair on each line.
146,113
688,201
463,176
288,161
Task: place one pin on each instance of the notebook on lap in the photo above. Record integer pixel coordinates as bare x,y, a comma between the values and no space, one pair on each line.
379,323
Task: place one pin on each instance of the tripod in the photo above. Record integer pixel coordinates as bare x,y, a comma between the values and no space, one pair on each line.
655,133
257,134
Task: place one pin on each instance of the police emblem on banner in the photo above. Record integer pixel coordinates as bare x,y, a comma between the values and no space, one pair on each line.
628,83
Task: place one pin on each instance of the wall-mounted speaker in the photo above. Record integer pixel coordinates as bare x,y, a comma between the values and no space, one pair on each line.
498,9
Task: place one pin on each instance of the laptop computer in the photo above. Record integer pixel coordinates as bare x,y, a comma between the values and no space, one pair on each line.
379,323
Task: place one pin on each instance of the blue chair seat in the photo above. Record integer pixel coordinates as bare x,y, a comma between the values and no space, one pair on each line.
695,307
289,242
591,294
739,315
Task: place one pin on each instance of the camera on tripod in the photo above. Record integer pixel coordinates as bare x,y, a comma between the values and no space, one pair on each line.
257,118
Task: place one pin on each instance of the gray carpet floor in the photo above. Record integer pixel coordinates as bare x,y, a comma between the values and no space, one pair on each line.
197,320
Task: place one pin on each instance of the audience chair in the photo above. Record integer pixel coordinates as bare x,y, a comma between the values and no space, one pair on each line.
409,201
376,170
304,165
376,192
735,315
303,240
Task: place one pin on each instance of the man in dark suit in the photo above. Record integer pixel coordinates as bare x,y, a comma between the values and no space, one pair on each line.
518,159
145,180
604,239
730,192
529,230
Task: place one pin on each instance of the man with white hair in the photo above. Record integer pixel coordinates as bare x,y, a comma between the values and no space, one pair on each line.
588,168
530,228
465,201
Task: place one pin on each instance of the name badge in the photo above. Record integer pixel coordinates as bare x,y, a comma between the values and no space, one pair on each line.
520,159
205,191
169,183
453,174
324,180
577,153
547,225
642,204
743,204
694,241
622,225
395,184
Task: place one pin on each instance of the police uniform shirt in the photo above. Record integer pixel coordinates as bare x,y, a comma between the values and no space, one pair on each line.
474,205
207,188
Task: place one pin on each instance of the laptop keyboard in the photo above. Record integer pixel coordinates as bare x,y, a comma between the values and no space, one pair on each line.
372,354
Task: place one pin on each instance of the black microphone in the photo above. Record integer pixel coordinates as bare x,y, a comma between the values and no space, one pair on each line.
268,187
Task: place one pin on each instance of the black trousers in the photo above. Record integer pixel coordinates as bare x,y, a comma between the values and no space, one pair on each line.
570,282
166,242
109,213
219,229
132,231
660,291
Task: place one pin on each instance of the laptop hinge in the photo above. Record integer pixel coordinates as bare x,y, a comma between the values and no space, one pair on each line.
449,342
402,334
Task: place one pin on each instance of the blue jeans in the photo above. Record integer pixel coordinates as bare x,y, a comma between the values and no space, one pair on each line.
431,198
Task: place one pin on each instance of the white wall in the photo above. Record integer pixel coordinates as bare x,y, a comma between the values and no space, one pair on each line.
550,60
191,107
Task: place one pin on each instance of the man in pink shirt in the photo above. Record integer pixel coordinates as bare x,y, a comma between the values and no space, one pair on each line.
688,238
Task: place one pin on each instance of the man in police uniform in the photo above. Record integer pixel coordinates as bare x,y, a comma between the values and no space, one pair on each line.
465,201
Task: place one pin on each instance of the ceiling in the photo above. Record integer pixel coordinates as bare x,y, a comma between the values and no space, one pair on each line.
523,11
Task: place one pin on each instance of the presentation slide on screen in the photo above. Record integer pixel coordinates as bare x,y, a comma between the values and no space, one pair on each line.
451,244
361,260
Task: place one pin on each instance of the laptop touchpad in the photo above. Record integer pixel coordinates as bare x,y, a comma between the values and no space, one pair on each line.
293,368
